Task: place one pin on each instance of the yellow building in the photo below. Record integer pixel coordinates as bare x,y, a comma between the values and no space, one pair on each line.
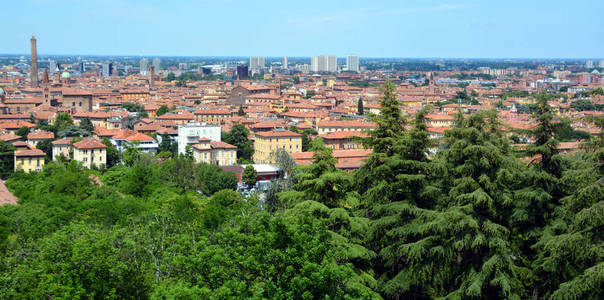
134,95
215,153
29,160
202,152
61,147
89,152
213,116
267,143
223,154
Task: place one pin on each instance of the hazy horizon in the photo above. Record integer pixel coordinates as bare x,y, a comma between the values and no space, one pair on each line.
305,57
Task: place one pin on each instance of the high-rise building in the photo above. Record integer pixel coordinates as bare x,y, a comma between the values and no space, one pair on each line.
589,64
34,62
324,63
52,67
107,69
143,65
284,62
182,66
82,67
314,64
157,64
256,63
242,72
352,63
601,63
332,63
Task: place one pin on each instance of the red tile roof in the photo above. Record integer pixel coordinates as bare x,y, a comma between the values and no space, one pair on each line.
212,112
30,153
345,124
16,125
221,145
9,137
75,92
89,143
139,137
169,116
268,124
343,134
41,135
278,133
63,141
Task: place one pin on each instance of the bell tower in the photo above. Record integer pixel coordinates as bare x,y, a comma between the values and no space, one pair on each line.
46,88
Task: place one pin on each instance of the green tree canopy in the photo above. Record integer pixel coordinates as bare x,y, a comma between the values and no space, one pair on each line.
238,136
86,124
23,132
162,110
62,122
249,176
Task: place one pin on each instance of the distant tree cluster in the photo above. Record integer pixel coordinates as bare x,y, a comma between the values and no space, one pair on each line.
136,108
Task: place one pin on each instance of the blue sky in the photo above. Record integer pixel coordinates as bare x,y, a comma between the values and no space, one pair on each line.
414,28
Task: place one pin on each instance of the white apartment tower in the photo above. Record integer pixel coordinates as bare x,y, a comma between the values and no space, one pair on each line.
589,64
324,63
157,65
144,65
352,63
256,63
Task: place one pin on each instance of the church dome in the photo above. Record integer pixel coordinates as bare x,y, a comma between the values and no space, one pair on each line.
65,74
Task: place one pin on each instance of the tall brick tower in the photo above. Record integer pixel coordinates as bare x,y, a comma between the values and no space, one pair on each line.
34,62
150,74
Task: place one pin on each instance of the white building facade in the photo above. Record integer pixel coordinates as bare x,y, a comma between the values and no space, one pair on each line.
352,63
189,134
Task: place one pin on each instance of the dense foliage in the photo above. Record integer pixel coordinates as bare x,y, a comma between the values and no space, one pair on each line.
238,137
462,219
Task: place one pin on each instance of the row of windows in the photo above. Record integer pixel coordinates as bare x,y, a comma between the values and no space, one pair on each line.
281,139
92,151
22,161
282,146
92,159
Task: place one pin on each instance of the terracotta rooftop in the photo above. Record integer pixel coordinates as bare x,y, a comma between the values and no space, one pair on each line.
345,124
89,143
169,116
278,133
212,112
63,141
139,137
268,124
30,153
343,134
221,145
9,137
75,92
40,135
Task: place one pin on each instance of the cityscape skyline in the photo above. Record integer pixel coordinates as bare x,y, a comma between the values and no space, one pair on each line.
413,29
